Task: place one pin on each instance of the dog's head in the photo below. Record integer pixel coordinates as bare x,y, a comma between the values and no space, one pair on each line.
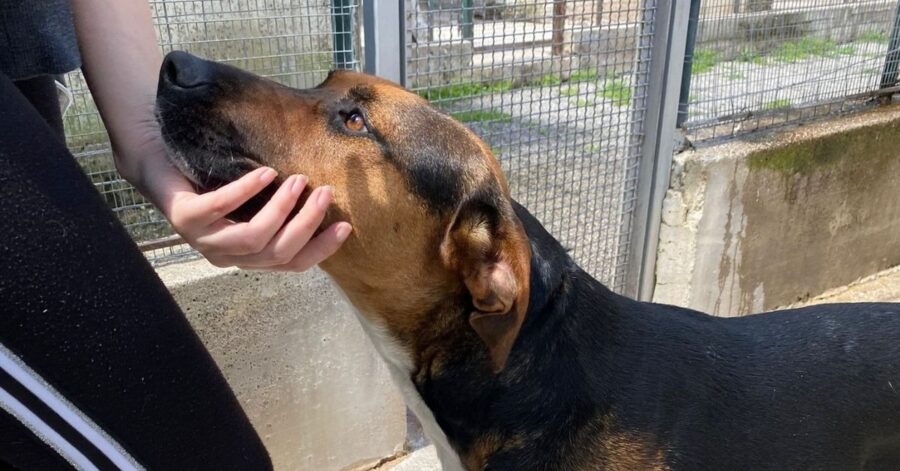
433,224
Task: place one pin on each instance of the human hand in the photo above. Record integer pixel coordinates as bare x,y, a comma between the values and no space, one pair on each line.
121,61
265,242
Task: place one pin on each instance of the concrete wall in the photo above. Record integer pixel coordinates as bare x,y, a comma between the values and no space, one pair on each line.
765,222
297,359
764,30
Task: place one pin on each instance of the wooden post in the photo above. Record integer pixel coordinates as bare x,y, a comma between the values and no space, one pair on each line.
598,13
559,27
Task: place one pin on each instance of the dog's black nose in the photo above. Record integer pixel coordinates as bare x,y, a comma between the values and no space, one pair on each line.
187,71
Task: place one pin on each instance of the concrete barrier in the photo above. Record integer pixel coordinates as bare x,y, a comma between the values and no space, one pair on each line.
298,361
777,217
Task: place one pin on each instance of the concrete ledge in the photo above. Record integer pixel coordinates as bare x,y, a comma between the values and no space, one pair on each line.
752,225
298,361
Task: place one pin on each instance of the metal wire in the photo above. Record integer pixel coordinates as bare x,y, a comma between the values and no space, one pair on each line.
761,63
557,88
552,87
295,42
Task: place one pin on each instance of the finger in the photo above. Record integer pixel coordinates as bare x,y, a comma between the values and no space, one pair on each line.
318,249
271,217
237,241
215,205
321,247
300,229
255,236
296,233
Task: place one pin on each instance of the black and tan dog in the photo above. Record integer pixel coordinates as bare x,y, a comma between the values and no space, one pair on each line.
512,357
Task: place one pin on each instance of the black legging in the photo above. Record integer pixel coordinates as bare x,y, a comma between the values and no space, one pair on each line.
95,356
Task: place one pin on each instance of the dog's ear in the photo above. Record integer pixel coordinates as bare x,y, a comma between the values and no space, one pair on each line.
486,246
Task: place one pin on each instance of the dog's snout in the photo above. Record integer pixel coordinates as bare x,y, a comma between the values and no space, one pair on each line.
187,71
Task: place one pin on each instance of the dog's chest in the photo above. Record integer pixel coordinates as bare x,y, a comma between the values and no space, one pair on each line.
400,366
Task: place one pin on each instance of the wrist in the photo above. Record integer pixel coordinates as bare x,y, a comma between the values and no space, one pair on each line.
135,149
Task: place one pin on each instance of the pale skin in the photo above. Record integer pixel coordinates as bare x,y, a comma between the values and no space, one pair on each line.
121,61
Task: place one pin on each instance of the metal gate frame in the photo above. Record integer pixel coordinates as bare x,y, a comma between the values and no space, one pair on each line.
384,33
669,39
385,52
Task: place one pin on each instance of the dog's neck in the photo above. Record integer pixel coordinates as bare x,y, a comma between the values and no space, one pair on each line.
444,373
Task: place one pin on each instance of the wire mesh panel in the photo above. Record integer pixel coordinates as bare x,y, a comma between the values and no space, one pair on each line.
295,42
757,63
557,89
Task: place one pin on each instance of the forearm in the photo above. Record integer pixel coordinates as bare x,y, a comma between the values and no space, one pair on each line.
121,61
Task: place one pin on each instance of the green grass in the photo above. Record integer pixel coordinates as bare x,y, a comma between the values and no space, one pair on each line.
617,91
480,116
471,89
545,80
584,75
872,71
464,90
794,51
873,36
735,75
704,60
569,91
591,149
777,104
583,103
751,57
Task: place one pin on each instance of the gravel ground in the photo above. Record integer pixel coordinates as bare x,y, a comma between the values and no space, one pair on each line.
566,151
781,83
568,148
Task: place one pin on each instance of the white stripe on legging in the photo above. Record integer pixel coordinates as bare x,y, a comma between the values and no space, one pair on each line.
16,368
45,432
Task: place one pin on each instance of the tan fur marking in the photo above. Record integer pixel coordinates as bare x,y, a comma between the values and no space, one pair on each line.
488,445
391,268
614,449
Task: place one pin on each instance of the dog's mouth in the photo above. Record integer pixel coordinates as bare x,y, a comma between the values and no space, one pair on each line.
204,156
210,155
205,144
208,133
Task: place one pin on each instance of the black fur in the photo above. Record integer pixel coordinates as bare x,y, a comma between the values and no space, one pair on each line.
813,388
816,388
430,154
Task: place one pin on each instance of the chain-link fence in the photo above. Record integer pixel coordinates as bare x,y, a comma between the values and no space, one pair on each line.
295,42
562,90
758,63
557,89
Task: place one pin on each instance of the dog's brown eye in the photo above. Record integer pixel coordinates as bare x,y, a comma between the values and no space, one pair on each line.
355,122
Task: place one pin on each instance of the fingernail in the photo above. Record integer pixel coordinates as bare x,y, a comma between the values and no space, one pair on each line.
268,175
343,231
298,185
324,197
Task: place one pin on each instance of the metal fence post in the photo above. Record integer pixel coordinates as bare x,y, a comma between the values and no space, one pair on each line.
667,48
685,93
467,20
384,25
889,75
342,33
429,19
